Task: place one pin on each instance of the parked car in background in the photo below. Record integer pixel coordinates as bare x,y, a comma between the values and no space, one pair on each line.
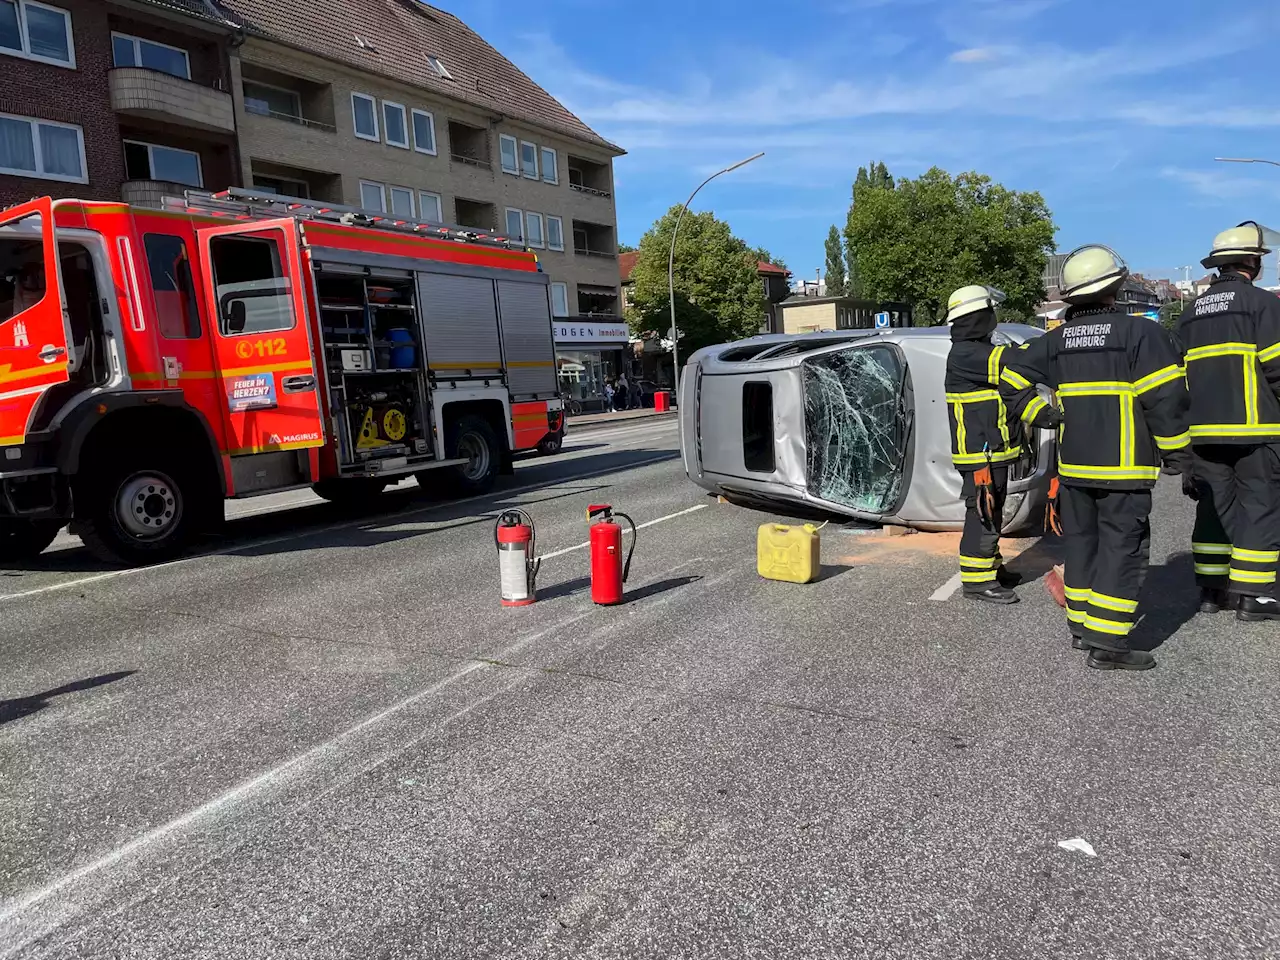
851,422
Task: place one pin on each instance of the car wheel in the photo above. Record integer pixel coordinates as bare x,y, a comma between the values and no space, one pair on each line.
473,439
139,513
26,539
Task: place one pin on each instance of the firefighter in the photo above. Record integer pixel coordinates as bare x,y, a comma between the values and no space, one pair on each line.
1124,407
983,440
1231,334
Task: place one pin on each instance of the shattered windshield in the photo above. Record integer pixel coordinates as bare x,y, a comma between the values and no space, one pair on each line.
854,427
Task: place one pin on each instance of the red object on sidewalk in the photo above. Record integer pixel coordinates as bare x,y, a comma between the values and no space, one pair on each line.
661,401
1053,583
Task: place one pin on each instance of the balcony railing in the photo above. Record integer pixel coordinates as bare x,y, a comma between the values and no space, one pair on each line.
291,118
471,161
588,252
138,91
592,191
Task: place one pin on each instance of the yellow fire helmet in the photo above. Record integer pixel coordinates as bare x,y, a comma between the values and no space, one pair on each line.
1241,242
1091,273
971,299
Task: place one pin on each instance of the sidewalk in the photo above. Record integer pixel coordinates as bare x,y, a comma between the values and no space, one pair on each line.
644,413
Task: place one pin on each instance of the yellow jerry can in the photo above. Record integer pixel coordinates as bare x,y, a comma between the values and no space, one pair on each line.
791,554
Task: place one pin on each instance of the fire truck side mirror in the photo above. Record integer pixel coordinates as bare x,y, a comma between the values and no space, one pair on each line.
236,316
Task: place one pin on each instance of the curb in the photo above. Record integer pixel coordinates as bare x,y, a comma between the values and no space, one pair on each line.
574,424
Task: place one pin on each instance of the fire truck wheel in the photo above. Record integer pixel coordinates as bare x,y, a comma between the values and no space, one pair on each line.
137,513
350,493
551,443
472,437
25,539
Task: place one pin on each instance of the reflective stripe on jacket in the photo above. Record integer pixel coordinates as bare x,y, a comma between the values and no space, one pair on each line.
1122,393
1231,335
980,427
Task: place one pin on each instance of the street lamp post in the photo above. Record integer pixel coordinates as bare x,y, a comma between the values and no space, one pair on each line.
671,267
1274,163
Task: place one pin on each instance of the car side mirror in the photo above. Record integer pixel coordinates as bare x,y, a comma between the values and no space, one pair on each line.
237,316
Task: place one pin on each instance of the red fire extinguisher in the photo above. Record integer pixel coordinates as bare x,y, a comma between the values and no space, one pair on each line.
608,572
517,542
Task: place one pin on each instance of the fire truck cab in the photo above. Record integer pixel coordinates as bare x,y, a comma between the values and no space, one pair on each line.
154,362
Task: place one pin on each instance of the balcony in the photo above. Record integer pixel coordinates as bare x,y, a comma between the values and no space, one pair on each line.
590,177
476,214
594,240
287,99
469,145
152,95
150,193
594,301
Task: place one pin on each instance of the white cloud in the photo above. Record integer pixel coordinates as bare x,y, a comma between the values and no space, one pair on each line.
1221,184
973,55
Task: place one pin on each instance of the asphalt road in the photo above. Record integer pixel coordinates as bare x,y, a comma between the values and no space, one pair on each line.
325,738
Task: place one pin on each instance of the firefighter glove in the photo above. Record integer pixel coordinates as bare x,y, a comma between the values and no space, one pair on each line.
1052,514
984,491
1050,418
1190,487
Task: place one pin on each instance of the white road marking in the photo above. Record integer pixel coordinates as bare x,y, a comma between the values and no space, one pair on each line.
264,779
947,590
315,531
639,526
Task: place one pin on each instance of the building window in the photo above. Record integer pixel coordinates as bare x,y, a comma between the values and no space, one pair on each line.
757,427
439,68
282,186
508,149
401,201
364,116
424,132
529,159
533,229
515,224
268,101
127,51
149,161
36,31
555,233
393,124
372,196
171,286
430,207
550,168
559,299
42,149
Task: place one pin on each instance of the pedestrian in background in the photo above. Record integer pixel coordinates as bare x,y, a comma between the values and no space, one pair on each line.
624,392
984,441
608,396
1231,334
1124,407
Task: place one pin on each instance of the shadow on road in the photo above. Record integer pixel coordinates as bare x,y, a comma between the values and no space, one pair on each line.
313,522
21,707
1169,601
662,586
566,589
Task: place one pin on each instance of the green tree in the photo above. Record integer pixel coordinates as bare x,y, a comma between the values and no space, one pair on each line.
874,176
1171,313
835,264
718,292
760,253
626,248
920,239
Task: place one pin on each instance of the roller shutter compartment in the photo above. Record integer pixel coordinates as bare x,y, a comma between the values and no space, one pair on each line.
526,338
460,324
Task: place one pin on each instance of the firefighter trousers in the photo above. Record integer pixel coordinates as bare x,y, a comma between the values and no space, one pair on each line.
980,544
1210,545
1107,538
1242,483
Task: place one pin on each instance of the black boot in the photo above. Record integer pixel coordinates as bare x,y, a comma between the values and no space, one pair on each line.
991,593
1129,660
1007,578
1213,601
1079,643
1257,609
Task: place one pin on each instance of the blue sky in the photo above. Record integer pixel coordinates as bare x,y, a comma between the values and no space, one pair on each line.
1114,110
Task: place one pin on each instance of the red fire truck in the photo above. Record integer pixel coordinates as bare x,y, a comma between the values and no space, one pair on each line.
156,361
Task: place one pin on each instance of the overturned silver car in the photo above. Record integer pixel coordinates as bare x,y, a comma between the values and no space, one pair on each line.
851,422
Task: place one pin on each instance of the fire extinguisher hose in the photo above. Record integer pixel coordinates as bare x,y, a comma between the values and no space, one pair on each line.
626,567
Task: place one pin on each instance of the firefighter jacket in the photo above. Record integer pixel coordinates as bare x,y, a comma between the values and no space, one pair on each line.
1122,393
981,428
1231,335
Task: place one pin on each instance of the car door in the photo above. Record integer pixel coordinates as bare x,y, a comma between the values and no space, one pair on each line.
261,337
34,327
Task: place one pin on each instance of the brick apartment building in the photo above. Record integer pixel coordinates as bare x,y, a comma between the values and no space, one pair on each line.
104,98
387,104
